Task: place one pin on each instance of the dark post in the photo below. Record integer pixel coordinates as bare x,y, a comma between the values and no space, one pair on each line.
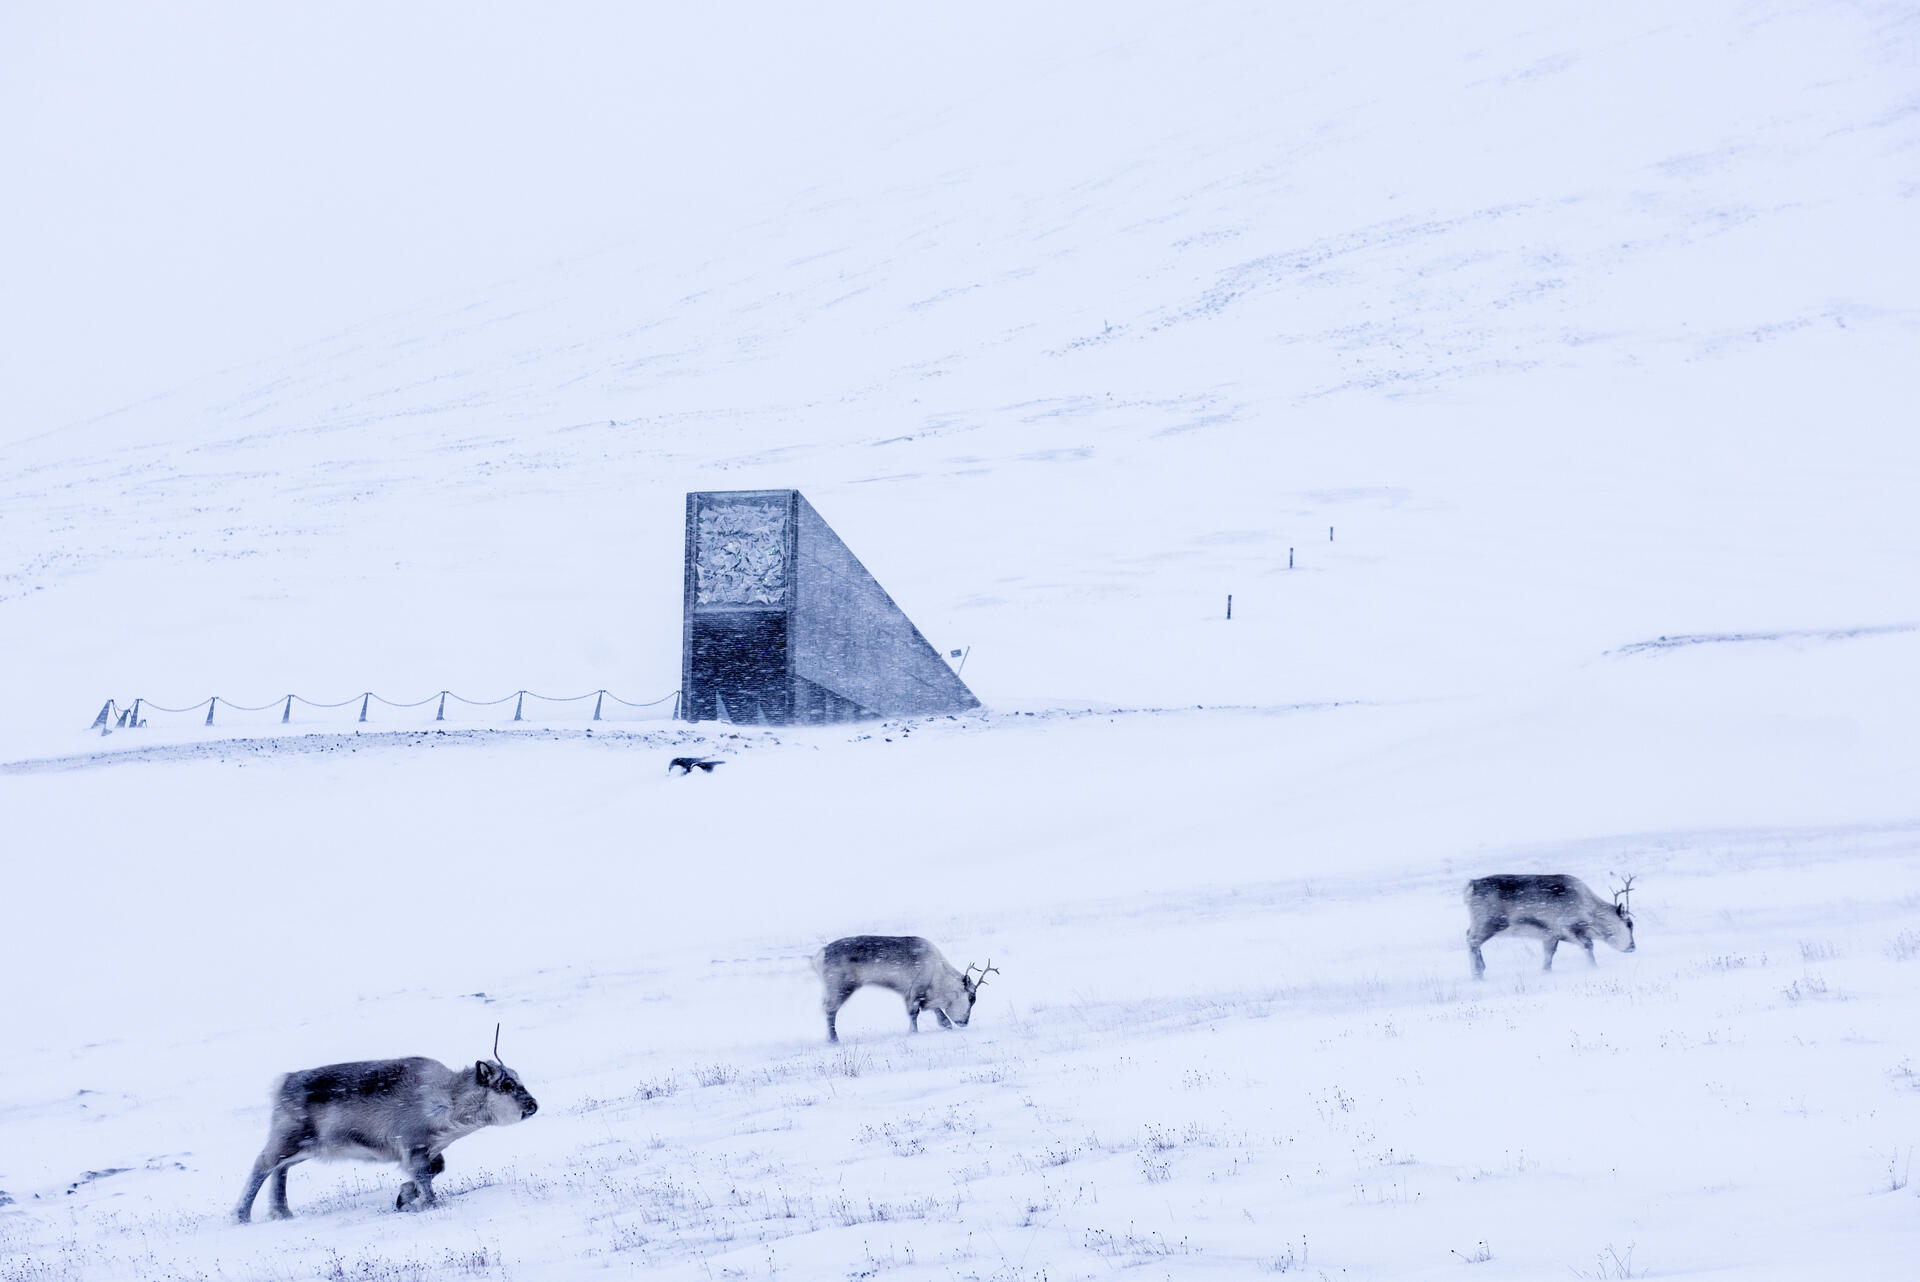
106,710
1329,534
1289,558
363,704
596,704
517,704
288,714
134,722
210,702
441,715
1229,605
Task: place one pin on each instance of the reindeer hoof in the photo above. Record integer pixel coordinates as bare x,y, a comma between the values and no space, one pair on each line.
409,1194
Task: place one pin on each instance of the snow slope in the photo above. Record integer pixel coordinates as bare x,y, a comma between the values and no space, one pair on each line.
1583,330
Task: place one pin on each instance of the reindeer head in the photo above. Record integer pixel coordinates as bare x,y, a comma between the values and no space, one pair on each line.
1621,894
507,1100
970,986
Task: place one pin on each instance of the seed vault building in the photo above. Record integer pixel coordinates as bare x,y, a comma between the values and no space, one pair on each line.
784,626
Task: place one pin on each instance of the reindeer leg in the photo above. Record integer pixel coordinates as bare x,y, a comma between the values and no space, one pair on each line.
834,1000
913,1015
1584,938
1547,945
418,1191
1478,934
278,1194
942,1017
282,1151
262,1167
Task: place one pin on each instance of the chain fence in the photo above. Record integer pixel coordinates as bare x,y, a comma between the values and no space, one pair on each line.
447,707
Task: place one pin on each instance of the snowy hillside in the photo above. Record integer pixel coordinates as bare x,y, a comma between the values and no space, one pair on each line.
1586,333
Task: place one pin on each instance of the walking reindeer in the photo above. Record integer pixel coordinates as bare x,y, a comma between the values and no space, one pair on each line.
1552,909
908,965
382,1110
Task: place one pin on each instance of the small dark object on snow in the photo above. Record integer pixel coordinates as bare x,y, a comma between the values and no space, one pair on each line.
686,764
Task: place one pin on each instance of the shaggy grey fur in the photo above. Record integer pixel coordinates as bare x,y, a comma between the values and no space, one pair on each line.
383,1110
908,965
1549,908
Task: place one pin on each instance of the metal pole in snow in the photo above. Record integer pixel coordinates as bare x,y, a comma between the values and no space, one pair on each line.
596,704
442,714
210,702
518,703
134,724
1329,534
1229,606
363,704
1289,558
288,714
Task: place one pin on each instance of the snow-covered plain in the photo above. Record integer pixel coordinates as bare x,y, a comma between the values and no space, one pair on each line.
1588,331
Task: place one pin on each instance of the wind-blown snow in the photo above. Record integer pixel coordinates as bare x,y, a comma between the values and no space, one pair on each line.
1588,332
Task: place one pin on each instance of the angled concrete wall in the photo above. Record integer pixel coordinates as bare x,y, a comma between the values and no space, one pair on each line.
847,636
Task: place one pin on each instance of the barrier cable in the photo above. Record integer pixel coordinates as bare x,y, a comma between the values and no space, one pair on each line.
115,716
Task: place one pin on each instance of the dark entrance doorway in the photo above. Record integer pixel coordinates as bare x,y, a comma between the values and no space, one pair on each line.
739,668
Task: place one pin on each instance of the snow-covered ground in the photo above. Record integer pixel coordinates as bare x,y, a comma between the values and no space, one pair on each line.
1589,333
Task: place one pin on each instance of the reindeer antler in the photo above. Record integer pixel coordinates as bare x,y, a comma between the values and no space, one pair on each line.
988,969
496,1043
1620,895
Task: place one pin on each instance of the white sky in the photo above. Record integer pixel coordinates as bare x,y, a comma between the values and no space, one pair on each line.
193,186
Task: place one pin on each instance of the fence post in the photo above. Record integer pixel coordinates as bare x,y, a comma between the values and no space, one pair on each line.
134,722
288,714
676,704
596,705
442,714
210,702
363,704
106,708
518,703
121,724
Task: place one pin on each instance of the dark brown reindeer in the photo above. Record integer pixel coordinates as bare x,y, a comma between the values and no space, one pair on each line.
1552,909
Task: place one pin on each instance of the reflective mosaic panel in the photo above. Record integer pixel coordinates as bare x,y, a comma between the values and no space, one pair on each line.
740,553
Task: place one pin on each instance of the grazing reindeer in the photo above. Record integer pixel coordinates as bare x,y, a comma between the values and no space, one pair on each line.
907,964
382,1110
1547,908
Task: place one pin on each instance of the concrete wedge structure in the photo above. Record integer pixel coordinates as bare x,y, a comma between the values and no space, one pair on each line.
784,626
